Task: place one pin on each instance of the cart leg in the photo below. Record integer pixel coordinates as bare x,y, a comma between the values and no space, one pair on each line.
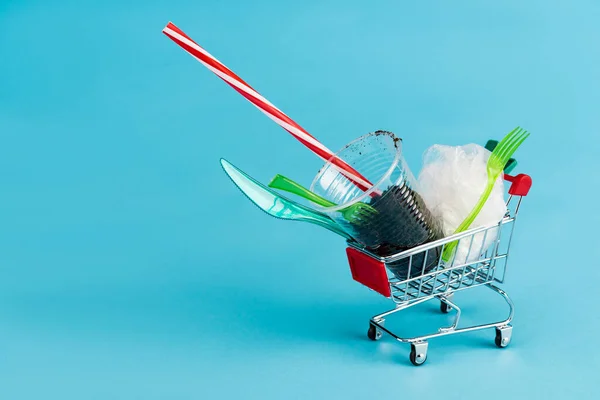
503,335
511,306
418,353
451,305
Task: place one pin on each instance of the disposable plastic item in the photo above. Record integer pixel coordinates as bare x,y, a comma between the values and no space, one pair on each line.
355,213
451,183
401,220
275,205
510,165
264,105
495,168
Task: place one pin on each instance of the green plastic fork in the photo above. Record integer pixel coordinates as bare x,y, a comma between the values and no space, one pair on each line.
355,213
495,165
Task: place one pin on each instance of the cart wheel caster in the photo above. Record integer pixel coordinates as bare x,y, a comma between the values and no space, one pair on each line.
445,308
418,353
503,336
374,333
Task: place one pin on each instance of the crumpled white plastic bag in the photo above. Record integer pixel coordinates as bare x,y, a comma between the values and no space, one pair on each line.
451,182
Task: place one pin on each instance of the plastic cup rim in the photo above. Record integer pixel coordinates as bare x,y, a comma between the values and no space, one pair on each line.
368,192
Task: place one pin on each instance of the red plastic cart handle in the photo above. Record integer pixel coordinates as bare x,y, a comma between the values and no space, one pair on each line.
520,184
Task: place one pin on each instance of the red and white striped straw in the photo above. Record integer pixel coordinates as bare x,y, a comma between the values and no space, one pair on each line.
263,104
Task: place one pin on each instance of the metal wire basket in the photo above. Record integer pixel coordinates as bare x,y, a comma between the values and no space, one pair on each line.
483,265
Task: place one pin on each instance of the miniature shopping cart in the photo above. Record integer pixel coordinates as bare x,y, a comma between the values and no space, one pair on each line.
481,266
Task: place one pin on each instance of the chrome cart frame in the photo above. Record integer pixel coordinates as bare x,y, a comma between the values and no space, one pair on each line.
483,264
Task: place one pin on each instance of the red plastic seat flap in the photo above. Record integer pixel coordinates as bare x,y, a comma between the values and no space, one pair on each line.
368,271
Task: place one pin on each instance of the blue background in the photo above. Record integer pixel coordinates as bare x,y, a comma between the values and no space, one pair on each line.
132,268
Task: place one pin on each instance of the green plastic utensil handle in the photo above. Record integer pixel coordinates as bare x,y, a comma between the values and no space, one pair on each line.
478,207
510,165
283,183
275,205
449,249
491,145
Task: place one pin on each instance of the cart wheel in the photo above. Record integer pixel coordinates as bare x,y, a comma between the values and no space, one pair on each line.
418,354
503,336
445,308
374,333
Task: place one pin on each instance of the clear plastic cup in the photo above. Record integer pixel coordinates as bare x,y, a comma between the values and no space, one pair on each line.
401,220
